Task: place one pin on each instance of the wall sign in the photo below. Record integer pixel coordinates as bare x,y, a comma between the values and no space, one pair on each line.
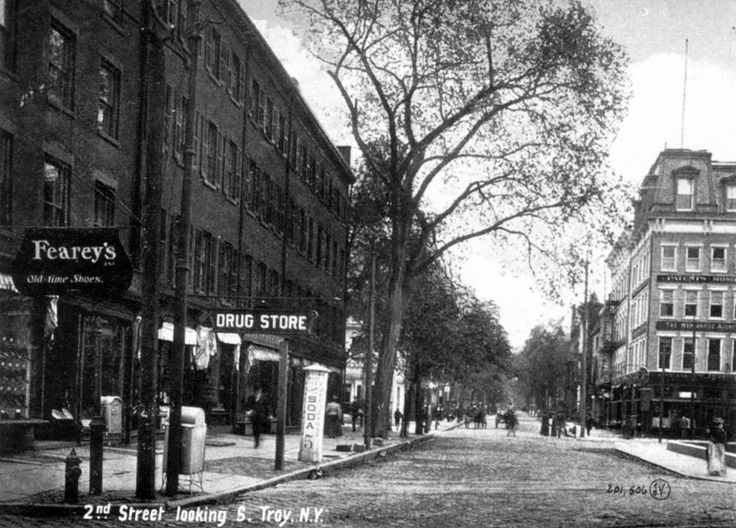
264,321
71,260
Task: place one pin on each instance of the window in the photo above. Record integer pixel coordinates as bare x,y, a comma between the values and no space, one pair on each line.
56,193
7,34
268,124
714,354
226,283
104,205
688,355
718,259
61,65
109,99
685,190
310,238
691,303
692,262
6,181
113,8
716,304
232,171
669,255
235,79
665,352
731,197
213,48
666,303
210,173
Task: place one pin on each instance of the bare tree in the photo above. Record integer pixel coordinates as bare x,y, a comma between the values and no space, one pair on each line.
478,117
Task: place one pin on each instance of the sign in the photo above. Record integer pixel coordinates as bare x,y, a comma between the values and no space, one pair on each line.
722,279
71,260
313,415
264,321
700,326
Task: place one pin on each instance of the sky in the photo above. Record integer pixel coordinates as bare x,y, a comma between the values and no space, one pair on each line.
654,33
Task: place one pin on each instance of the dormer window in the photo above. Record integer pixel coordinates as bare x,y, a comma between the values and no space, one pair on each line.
685,194
731,197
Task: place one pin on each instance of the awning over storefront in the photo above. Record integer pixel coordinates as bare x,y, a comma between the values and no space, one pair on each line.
166,333
6,283
262,353
228,338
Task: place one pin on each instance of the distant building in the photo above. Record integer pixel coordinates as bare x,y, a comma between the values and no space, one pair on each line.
668,328
270,194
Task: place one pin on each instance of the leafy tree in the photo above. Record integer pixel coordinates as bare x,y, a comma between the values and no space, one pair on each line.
541,365
477,117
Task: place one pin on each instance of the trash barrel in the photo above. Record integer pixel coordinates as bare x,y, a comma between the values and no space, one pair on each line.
193,436
112,412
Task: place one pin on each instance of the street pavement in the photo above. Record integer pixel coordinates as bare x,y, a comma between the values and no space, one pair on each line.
460,477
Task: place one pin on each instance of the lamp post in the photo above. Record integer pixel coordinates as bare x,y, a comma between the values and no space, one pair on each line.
692,383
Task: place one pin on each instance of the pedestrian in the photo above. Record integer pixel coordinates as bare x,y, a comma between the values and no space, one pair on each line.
574,431
717,449
589,424
259,415
397,418
512,422
356,414
333,421
684,426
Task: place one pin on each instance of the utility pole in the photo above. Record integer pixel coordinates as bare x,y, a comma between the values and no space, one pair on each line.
155,35
584,362
182,260
368,414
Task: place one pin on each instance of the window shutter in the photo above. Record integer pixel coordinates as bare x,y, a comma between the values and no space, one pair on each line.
241,83
220,170
197,139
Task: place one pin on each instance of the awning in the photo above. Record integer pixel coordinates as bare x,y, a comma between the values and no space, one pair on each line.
166,333
229,338
6,283
263,353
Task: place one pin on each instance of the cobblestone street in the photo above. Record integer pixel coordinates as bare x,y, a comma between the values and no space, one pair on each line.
470,477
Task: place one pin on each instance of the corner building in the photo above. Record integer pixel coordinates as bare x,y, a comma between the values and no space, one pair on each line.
269,198
669,324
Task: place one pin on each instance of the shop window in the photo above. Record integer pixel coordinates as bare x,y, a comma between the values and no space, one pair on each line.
62,45
56,193
714,354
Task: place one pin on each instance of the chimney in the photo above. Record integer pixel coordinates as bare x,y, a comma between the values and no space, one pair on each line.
345,153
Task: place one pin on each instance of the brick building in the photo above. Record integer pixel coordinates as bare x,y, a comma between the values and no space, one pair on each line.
668,330
268,210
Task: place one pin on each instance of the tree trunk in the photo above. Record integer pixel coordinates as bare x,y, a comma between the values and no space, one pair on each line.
397,290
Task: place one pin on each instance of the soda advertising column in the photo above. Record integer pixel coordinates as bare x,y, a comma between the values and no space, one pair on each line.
313,417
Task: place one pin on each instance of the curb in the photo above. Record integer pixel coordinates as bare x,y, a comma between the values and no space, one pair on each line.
676,472
78,510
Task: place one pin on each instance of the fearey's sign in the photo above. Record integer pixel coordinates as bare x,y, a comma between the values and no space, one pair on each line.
65,260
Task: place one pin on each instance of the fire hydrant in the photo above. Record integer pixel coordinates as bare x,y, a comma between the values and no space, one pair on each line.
71,481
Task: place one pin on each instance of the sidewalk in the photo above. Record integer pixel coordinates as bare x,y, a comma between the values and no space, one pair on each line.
650,450
34,481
